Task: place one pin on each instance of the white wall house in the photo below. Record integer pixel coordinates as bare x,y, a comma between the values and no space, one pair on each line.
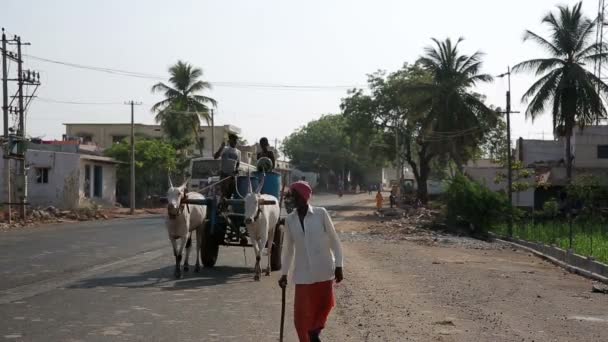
589,147
487,173
67,180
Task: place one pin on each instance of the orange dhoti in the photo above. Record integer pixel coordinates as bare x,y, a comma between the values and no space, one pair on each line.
313,303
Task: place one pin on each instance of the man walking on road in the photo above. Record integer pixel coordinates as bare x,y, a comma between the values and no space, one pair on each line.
310,236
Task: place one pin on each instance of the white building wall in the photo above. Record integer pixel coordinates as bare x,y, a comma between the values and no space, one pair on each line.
108,193
487,176
535,151
585,145
65,186
62,187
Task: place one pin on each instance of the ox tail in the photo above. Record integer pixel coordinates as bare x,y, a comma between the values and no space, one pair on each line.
189,242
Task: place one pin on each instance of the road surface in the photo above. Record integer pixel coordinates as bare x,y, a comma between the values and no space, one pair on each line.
112,280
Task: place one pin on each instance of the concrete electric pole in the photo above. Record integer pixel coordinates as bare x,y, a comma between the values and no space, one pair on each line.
7,165
509,157
132,182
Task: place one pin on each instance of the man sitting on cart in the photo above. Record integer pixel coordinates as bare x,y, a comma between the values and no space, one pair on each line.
266,152
231,158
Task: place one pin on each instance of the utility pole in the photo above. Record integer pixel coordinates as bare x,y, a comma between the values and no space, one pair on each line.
132,185
21,129
509,157
212,133
7,166
29,78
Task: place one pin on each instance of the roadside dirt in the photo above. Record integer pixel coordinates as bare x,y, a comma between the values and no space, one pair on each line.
41,217
417,285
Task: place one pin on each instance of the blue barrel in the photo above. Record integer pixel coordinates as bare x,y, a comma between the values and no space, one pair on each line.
242,184
272,183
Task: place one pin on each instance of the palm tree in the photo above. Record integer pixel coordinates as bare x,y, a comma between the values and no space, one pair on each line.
182,110
566,87
457,118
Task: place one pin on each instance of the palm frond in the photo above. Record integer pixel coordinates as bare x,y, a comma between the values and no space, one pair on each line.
539,65
529,35
198,86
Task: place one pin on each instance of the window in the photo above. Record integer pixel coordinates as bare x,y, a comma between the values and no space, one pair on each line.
86,138
117,139
602,151
97,181
42,175
87,181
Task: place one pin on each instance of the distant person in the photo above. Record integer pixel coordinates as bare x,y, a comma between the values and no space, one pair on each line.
303,179
266,152
311,239
230,161
379,200
370,189
392,198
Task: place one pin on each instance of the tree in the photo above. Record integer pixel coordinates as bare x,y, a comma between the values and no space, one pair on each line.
457,116
494,144
182,110
566,87
154,160
394,110
320,145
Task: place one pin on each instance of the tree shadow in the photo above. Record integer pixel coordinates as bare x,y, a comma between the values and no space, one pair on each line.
163,279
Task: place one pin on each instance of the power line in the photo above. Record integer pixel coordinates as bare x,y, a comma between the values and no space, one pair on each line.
43,99
260,85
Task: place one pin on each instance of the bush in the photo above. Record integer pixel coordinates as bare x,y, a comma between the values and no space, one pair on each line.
474,204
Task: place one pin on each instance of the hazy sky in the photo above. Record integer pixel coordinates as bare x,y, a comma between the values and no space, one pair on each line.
323,43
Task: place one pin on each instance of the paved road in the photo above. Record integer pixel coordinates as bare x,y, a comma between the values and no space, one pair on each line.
112,281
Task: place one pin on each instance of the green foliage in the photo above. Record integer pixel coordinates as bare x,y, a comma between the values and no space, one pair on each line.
457,117
494,144
183,108
551,208
320,145
521,180
474,204
588,238
154,159
566,87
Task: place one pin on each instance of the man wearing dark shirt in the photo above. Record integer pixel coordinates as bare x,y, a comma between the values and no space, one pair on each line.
266,152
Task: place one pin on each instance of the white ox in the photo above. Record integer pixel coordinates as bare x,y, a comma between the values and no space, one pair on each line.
182,219
261,220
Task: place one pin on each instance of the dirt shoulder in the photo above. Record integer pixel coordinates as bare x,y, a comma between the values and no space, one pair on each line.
428,286
40,218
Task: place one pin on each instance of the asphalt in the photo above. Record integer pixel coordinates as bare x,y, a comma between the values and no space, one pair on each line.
112,280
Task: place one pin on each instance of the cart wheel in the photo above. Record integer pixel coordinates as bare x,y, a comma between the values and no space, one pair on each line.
210,247
275,257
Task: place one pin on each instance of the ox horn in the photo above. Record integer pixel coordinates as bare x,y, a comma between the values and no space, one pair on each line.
170,182
186,182
259,189
249,180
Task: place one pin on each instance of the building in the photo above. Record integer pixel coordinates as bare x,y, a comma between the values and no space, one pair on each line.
65,180
546,161
106,134
387,176
589,148
491,175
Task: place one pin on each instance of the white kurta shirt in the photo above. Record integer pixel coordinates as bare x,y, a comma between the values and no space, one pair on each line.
317,247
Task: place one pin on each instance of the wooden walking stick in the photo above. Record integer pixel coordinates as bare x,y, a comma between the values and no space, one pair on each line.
283,289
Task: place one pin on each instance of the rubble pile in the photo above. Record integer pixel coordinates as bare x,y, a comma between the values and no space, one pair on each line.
54,215
408,224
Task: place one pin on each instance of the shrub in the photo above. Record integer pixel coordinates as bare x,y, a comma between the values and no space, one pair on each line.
474,204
